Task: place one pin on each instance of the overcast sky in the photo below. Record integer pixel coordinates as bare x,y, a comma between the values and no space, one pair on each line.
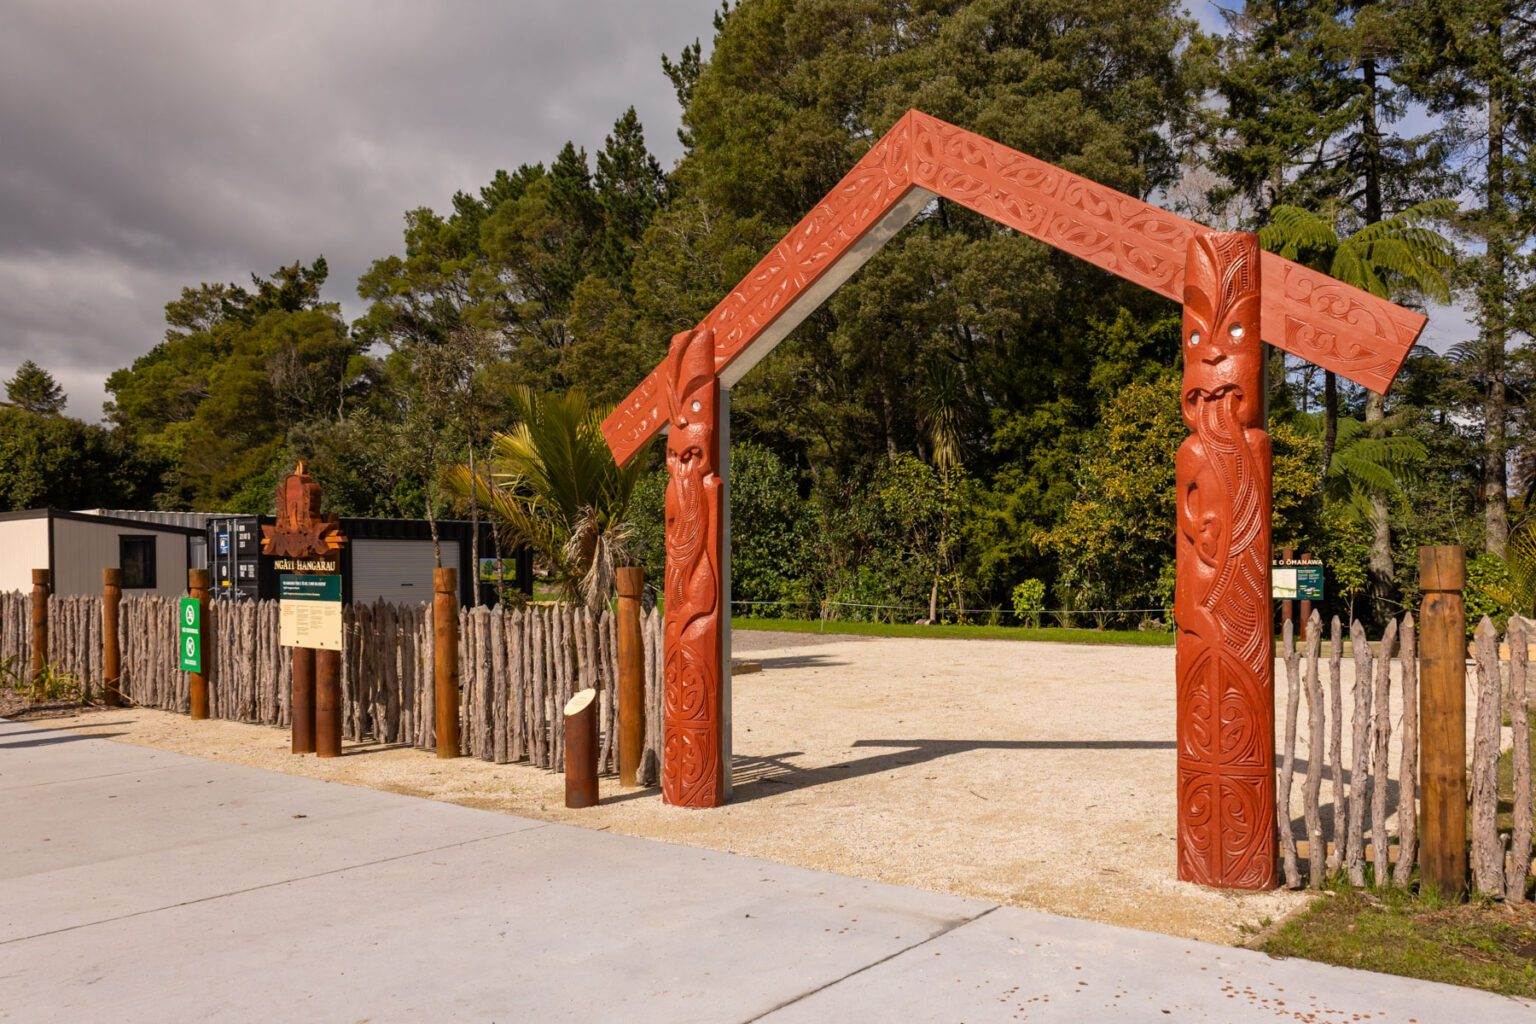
148,146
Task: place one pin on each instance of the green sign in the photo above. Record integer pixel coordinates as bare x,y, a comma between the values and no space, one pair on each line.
189,617
309,588
1297,580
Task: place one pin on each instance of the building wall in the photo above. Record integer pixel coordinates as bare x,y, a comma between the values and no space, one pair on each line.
82,549
23,547
399,571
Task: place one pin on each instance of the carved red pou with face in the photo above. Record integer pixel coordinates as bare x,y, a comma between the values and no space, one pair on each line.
1223,359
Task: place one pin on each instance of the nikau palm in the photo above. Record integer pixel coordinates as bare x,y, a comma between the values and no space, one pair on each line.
1397,257
551,483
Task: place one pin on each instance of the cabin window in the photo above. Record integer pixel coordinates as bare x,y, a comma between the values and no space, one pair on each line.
136,557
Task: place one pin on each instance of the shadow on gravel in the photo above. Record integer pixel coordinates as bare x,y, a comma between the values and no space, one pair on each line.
758,777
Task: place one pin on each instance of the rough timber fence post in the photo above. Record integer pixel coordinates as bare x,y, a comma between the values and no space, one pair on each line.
445,659
301,702
693,772
631,688
1443,719
327,703
197,682
111,651
42,583
1225,658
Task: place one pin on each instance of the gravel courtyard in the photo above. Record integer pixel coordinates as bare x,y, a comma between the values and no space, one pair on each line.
1034,774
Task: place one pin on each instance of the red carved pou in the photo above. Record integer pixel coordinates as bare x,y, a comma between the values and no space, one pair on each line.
693,768
1225,659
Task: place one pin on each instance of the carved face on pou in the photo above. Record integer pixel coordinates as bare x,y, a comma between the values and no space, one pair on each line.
691,400
1222,354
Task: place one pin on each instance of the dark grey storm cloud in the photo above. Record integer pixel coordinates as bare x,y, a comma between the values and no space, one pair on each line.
146,146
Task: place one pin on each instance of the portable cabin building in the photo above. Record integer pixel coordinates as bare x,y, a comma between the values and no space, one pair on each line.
389,559
75,546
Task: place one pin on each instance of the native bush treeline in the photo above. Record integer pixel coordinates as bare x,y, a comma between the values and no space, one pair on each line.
972,410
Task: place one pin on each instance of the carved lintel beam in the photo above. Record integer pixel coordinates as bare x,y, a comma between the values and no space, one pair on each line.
1308,314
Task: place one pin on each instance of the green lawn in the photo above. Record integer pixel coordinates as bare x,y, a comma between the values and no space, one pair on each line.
1140,638
1481,945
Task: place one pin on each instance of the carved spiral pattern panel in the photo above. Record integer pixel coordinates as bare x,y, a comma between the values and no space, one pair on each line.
692,772
1109,229
1225,663
1308,314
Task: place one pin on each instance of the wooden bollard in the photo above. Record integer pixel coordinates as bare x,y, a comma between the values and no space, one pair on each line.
631,644
42,583
197,682
111,650
445,659
581,749
302,700
1443,719
328,703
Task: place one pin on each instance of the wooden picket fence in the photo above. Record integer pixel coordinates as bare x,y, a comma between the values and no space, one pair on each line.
517,668
1349,741
15,630
74,639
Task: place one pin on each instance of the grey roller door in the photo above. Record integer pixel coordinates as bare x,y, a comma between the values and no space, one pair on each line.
397,570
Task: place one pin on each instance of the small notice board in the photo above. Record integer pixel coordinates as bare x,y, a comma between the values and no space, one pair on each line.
309,611
1297,579
189,619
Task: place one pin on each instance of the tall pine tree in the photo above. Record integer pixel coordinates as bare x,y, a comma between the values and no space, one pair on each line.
1311,107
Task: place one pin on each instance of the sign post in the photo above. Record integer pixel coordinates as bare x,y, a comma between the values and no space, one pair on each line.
1297,579
307,547
191,613
309,611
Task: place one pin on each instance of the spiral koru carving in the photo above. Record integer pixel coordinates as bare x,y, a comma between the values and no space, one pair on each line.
693,768
1225,660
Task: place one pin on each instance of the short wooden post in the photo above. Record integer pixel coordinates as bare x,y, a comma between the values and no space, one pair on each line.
1306,606
327,703
631,675
302,701
111,650
581,750
1443,719
1288,606
445,659
42,584
197,682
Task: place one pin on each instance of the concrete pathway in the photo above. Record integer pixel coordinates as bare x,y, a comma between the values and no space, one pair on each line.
139,885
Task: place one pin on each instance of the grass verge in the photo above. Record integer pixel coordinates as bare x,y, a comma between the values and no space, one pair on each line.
1138,638
1489,946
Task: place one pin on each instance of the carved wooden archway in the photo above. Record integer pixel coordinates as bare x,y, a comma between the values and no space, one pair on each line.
1233,295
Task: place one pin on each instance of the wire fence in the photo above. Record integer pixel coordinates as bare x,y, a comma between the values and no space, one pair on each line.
1144,619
